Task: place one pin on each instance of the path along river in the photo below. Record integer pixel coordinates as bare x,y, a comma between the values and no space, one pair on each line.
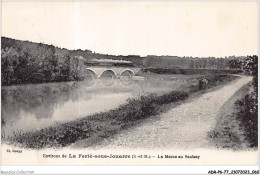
184,126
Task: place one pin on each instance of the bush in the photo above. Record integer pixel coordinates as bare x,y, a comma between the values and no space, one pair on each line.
247,116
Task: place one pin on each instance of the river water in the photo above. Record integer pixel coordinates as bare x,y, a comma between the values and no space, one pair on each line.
34,106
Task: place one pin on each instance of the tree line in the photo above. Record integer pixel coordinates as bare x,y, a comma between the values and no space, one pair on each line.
26,62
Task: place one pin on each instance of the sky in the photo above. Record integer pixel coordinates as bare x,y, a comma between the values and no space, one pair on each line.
199,29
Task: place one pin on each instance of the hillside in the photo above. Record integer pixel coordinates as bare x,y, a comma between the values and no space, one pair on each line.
27,62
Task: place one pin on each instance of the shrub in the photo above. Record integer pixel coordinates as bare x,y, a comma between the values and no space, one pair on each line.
248,118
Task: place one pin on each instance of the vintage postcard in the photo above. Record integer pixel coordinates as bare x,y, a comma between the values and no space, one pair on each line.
129,83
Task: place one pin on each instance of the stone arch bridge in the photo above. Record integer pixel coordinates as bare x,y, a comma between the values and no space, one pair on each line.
114,71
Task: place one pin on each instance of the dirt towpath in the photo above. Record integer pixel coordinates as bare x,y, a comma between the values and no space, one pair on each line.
184,126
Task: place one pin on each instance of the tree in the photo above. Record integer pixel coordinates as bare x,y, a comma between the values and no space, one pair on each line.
234,64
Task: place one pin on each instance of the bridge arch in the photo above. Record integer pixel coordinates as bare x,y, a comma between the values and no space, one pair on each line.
108,72
112,71
91,72
126,71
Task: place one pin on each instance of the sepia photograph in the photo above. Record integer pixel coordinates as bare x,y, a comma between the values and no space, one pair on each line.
130,83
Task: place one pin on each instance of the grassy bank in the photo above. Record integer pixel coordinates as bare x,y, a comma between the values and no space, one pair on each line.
192,71
96,127
236,126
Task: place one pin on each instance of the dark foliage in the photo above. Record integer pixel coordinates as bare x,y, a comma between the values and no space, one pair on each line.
247,108
247,116
25,62
250,65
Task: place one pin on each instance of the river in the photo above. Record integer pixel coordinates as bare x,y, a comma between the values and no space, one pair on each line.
34,106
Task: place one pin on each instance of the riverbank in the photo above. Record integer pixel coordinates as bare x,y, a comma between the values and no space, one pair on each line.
184,126
95,128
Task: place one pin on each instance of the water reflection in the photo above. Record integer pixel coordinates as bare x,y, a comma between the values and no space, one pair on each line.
90,78
108,82
127,81
89,81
